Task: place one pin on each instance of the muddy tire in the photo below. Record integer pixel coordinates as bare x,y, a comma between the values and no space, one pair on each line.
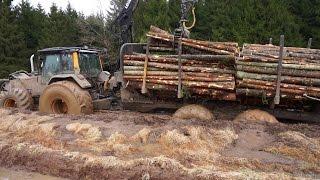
16,98
65,97
193,111
255,116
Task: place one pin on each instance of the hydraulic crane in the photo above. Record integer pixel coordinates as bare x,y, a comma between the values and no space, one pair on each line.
125,19
125,23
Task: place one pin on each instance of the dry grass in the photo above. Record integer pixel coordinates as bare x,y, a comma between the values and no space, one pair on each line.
179,147
142,136
299,146
88,131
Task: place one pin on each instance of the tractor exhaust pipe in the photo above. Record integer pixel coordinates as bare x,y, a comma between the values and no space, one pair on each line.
31,63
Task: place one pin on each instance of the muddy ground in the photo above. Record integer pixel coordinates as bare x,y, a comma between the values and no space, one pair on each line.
131,145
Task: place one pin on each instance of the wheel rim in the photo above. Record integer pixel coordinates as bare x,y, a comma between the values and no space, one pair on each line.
59,107
10,103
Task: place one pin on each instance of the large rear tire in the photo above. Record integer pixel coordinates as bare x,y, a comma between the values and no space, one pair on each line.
65,97
16,98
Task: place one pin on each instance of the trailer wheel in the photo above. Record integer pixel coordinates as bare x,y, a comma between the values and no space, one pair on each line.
16,98
193,111
255,115
65,97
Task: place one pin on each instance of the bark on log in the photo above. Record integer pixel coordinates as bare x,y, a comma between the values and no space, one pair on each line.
220,95
270,88
215,94
164,49
271,60
209,58
284,79
284,88
171,73
169,38
288,72
230,46
308,56
264,93
288,66
161,59
184,68
185,78
283,85
158,30
211,85
139,68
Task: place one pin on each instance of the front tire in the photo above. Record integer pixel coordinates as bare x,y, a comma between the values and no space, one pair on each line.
65,97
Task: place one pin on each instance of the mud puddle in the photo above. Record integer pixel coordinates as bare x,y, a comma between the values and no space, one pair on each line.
15,174
131,145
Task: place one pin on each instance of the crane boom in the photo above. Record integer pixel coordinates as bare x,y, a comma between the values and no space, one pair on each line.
125,18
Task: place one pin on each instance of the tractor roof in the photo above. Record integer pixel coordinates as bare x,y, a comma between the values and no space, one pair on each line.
67,49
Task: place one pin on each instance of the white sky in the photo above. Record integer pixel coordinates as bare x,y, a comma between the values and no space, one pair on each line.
87,7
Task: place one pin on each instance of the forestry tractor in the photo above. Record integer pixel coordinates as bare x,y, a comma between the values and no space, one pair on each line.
64,80
71,80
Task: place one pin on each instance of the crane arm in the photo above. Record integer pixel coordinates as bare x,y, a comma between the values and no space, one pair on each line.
125,18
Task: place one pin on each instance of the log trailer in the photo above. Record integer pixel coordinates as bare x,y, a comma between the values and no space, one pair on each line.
283,81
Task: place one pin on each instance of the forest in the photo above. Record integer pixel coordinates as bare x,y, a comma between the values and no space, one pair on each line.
24,29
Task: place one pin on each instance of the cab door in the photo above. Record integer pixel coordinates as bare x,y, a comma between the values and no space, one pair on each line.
51,66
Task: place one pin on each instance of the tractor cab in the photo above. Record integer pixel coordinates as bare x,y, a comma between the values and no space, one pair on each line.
63,80
67,60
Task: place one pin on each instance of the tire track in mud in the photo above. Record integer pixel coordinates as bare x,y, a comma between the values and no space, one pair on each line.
133,145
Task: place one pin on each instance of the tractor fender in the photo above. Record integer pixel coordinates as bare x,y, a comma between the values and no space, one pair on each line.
79,79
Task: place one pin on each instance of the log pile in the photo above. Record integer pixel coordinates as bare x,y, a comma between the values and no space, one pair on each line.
163,40
207,67
257,71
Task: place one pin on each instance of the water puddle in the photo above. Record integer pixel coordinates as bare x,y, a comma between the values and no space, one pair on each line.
11,174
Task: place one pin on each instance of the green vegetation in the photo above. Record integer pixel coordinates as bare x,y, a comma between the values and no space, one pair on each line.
24,29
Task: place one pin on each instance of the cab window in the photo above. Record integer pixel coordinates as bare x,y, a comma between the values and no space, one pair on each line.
52,65
57,64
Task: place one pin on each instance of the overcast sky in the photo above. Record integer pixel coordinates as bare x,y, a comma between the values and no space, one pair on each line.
87,7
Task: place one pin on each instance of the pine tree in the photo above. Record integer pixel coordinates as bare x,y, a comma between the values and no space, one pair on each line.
116,7
150,13
11,41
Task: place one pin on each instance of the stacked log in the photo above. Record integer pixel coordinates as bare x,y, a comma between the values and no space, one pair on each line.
164,40
257,71
210,73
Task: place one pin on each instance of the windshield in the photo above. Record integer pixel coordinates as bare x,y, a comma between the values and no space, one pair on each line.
89,64
56,64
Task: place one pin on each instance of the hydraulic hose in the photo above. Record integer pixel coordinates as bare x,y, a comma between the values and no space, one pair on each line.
194,20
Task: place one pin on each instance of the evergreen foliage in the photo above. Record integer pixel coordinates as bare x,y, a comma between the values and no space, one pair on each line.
25,29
